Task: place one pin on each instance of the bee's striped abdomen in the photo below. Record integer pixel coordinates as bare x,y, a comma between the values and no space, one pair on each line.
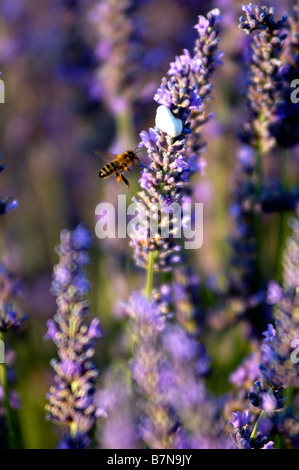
108,169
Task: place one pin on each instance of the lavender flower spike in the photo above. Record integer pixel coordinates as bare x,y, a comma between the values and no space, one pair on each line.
9,318
242,436
166,179
117,52
278,365
150,372
264,92
71,398
206,50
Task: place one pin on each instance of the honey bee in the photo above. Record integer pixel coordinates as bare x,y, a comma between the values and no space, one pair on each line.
119,165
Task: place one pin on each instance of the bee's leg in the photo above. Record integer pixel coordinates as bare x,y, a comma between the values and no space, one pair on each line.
128,169
118,177
125,180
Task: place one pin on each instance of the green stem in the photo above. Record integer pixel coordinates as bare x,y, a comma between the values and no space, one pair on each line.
282,219
9,412
252,435
290,392
150,273
280,246
73,429
72,327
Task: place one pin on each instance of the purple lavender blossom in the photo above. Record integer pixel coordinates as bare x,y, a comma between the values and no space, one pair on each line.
284,127
277,368
117,400
264,91
264,98
242,272
269,333
166,179
242,437
266,399
240,420
185,296
117,53
9,288
206,50
150,373
169,366
71,399
247,373
274,293
9,320
197,410
268,445
180,299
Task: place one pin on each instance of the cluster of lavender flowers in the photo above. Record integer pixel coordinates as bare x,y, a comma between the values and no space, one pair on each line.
268,102
160,374
166,179
279,367
247,373
150,372
206,50
242,240
284,127
118,53
243,435
10,320
9,288
117,400
272,64
266,68
71,399
182,298
168,367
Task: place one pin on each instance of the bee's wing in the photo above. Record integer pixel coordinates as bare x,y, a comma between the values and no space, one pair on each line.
104,155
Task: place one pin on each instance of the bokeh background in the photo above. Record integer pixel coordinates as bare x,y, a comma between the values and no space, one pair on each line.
58,110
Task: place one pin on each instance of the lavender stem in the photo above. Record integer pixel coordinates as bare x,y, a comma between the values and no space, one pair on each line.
259,172
8,409
150,274
282,219
252,435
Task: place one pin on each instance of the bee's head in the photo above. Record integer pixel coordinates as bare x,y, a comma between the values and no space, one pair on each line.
133,155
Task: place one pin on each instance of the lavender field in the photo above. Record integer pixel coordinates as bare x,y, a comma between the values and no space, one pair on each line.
149,212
